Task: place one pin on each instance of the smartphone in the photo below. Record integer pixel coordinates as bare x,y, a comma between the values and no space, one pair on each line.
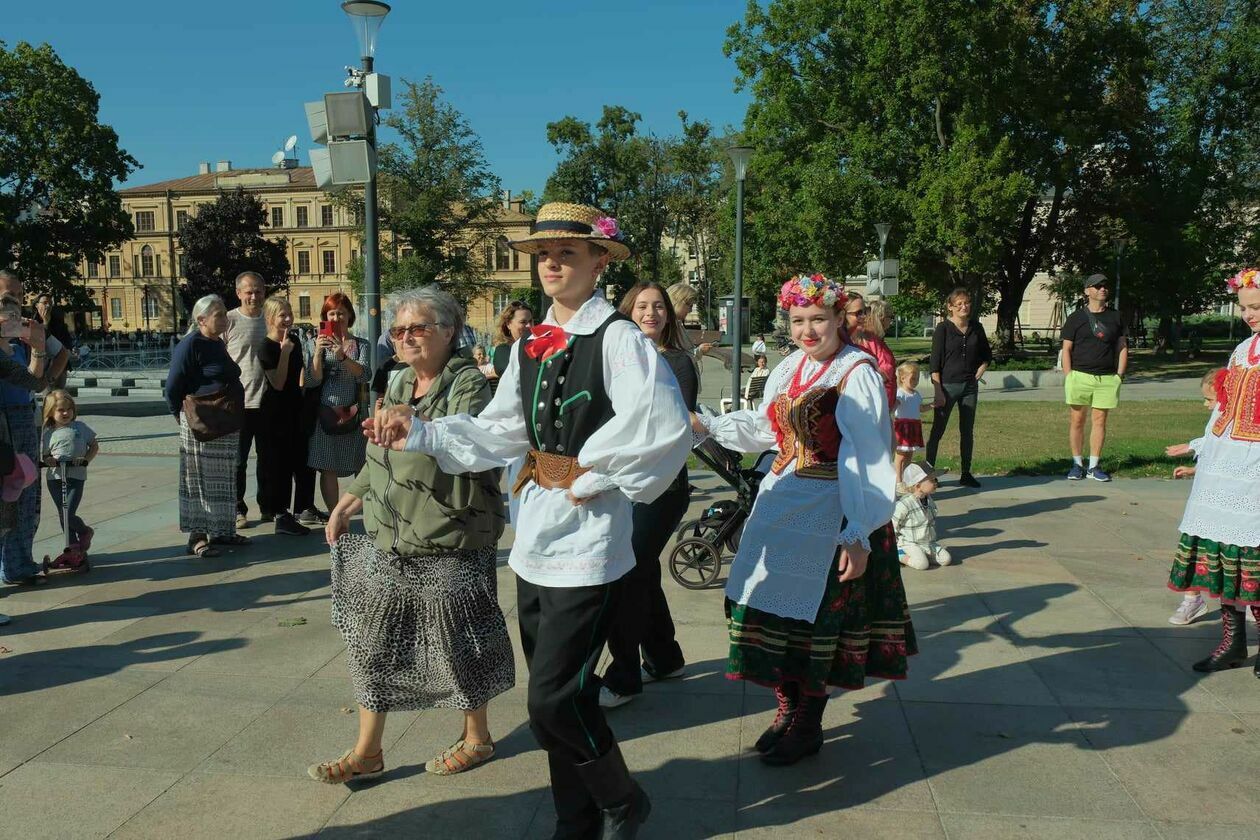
326,328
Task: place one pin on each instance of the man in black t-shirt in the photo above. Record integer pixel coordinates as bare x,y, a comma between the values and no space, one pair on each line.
1095,355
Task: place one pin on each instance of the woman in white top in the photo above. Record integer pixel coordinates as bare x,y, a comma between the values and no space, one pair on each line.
1219,551
815,593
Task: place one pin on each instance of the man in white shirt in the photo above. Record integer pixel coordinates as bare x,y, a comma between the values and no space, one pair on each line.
246,331
759,346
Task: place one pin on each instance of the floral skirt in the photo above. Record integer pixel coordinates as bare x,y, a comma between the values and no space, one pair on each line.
862,630
1228,572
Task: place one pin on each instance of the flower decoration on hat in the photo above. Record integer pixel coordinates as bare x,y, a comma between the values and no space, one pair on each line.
811,290
1243,279
607,227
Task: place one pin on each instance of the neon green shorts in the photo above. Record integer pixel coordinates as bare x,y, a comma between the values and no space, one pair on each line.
1101,392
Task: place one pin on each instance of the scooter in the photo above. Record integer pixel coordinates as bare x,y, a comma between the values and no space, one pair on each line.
74,557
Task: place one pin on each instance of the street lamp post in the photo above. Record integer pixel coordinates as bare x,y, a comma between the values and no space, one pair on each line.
367,16
739,157
882,229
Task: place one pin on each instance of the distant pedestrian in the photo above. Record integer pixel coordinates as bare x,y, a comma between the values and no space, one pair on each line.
246,331
866,328
67,447
907,418
759,346
283,448
960,355
337,363
1095,356
514,324
209,428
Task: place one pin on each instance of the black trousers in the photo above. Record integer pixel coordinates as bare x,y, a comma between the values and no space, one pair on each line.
643,620
304,476
563,631
963,395
281,453
251,436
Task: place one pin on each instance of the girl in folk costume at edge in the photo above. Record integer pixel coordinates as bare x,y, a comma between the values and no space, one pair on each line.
594,409
815,593
1219,551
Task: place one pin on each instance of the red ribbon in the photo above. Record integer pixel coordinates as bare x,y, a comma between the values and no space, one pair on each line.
545,339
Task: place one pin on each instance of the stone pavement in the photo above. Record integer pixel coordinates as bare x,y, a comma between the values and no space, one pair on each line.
159,696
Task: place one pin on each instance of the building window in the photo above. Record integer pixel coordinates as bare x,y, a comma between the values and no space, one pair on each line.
406,253
356,213
146,261
354,255
150,309
502,255
304,306
501,300
181,219
183,265
277,217
115,266
325,215
330,262
144,221
303,219
516,260
489,258
693,276
304,262
115,308
92,269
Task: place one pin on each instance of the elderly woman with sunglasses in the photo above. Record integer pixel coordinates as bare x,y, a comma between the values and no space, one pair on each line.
866,324
415,599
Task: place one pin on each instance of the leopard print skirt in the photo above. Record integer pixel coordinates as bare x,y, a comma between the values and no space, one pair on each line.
421,632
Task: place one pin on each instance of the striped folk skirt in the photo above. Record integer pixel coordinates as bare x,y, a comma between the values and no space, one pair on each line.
1228,572
862,630
207,483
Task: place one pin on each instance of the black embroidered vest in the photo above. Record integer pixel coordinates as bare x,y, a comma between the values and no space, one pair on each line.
564,396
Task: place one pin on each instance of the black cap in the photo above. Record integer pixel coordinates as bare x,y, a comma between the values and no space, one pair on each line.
1093,281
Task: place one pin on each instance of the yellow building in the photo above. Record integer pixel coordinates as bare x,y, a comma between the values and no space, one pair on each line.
136,286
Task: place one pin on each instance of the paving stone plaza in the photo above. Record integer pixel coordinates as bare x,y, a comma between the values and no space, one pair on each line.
162,697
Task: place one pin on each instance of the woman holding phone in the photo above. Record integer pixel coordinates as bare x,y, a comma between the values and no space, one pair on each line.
337,364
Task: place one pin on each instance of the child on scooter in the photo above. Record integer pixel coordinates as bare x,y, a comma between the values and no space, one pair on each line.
68,445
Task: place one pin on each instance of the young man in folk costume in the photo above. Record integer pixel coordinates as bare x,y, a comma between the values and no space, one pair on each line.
599,418
815,595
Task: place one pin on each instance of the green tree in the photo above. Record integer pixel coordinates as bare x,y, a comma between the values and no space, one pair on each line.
696,203
438,198
58,166
971,127
224,239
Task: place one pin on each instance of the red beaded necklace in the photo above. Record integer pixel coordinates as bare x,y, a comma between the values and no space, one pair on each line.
795,388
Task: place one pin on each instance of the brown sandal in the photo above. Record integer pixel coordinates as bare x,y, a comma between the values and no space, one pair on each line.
348,768
459,757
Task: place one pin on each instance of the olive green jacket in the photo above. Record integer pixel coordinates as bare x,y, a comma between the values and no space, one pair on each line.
410,506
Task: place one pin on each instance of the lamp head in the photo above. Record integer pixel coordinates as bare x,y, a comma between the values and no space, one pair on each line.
740,156
883,228
366,16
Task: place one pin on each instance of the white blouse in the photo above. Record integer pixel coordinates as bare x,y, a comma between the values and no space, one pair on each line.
1224,503
632,458
790,539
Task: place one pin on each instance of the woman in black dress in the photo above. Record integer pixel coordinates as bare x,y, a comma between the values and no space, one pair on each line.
960,356
514,322
643,621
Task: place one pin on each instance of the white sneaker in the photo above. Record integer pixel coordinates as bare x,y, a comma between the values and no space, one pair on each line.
1188,610
651,676
609,699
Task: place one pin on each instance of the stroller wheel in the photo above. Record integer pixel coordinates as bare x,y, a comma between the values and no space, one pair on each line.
695,564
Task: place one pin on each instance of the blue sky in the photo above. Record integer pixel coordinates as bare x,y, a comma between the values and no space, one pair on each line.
184,82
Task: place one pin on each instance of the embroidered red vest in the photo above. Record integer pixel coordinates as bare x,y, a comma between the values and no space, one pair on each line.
805,429
1239,400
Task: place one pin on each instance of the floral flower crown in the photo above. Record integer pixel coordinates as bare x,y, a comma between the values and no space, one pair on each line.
814,290
1243,279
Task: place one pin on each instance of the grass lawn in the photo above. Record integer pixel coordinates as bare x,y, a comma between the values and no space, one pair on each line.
1030,438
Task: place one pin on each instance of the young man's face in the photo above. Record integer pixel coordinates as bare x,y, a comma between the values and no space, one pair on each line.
568,269
1097,294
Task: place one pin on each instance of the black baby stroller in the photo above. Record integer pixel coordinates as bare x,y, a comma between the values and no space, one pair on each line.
696,560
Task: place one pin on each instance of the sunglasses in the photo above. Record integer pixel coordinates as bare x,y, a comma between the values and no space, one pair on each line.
860,313
414,331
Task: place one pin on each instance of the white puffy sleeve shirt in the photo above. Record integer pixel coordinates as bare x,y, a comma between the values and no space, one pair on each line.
632,458
790,539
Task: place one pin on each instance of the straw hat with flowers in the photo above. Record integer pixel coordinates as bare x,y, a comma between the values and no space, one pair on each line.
575,221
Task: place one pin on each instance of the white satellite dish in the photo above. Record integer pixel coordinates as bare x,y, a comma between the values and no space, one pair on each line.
277,158
290,143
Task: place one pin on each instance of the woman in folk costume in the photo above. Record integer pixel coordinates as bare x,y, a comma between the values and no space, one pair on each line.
815,594
595,411
1219,551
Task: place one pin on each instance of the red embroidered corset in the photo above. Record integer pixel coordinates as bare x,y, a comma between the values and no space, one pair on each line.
805,428
1239,399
